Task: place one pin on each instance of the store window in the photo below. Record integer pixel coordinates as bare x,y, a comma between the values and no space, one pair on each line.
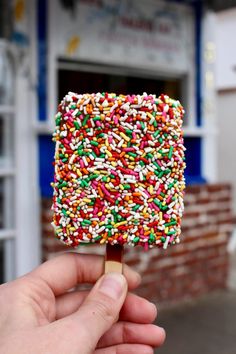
7,172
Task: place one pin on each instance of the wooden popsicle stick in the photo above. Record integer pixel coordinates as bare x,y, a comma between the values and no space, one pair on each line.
114,258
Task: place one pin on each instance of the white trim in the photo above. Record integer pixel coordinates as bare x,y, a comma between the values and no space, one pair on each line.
7,109
5,172
209,143
28,240
6,234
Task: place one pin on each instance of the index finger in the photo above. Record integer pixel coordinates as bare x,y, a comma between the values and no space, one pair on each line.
66,271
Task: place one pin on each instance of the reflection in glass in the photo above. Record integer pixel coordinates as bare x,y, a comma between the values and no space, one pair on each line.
1,262
1,202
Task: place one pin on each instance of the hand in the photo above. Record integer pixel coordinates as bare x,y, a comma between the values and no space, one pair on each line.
40,314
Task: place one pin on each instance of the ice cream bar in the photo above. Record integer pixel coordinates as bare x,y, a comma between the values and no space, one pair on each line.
119,164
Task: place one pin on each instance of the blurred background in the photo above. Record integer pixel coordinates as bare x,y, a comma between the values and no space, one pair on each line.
184,48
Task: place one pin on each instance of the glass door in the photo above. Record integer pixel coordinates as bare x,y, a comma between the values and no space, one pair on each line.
7,171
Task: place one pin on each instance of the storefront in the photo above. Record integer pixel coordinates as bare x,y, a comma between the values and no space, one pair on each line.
123,46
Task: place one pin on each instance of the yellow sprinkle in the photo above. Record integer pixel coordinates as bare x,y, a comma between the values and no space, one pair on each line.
160,216
87,200
103,240
108,153
101,223
79,173
125,137
151,189
121,187
107,186
72,129
150,200
149,115
113,163
120,223
100,213
72,215
166,230
125,236
145,210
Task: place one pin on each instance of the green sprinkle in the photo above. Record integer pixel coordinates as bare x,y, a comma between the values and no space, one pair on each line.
141,163
156,201
156,165
149,155
171,223
85,120
156,133
64,212
97,238
76,124
128,131
94,143
112,176
171,233
136,207
97,118
142,125
127,186
63,184
108,226
152,237
87,222
101,135
58,121
132,154
170,152
163,239
136,239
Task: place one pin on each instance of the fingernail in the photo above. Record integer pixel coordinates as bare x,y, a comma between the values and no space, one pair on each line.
137,276
113,285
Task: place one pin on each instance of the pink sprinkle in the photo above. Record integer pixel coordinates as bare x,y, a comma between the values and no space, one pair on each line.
110,139
105,190
115,119
94,184
81,162
129,149
155,206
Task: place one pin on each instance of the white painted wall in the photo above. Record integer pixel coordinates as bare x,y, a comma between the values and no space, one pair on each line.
226,49
226,102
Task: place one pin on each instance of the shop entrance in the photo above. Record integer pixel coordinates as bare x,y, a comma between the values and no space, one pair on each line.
83,77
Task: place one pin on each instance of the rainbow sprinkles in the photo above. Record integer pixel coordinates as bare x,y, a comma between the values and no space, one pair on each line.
119,164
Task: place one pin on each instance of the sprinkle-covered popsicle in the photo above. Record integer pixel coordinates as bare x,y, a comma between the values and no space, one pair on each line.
119,163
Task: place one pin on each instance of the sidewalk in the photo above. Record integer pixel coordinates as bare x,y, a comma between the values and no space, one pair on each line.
206,326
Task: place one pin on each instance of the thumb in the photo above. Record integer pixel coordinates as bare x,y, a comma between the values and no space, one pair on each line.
101,308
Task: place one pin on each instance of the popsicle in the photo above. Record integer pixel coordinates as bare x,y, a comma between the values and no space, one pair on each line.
119,170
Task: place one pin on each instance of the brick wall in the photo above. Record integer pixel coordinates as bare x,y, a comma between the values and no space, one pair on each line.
199,264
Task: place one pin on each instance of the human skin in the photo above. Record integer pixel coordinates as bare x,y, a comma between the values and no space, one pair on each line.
40,313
